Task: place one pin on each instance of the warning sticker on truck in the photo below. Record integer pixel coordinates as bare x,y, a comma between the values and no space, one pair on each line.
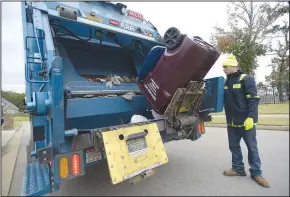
93,155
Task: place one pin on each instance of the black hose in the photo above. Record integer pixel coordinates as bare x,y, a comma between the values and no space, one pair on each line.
72,34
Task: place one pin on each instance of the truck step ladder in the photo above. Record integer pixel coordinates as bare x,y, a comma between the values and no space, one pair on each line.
36,180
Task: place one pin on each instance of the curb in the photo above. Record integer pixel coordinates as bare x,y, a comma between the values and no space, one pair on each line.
9,159
16,158
261,127
15,130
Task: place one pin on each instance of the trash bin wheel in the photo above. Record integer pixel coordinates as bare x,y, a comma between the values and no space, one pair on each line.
172,38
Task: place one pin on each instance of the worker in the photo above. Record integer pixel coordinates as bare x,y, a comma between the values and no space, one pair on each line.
241,109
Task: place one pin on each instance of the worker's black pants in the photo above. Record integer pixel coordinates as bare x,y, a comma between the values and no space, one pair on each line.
234,135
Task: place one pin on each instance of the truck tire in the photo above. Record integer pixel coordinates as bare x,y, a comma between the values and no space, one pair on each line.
172,38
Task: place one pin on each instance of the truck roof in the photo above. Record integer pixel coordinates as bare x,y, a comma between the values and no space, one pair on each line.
104,15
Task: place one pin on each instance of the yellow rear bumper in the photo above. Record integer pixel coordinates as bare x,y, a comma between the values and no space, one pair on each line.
133,150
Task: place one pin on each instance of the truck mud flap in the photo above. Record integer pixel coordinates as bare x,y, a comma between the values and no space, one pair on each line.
133,151
36,180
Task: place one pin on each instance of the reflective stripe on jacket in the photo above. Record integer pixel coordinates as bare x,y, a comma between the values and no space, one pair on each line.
241,99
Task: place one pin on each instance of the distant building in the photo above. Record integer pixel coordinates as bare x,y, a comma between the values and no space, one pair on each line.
9,108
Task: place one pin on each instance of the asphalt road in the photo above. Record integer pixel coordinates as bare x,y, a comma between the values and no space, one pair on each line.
195,168
263,115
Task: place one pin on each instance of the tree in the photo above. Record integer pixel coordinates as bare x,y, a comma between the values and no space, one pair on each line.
265,89
260,87
272,84
280,63
14,98
249,25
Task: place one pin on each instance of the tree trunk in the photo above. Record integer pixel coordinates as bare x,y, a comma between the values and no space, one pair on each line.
273,88
280,92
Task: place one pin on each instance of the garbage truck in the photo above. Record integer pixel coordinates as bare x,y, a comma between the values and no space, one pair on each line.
102,85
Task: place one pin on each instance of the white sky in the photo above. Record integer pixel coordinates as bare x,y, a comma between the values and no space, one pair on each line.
192,18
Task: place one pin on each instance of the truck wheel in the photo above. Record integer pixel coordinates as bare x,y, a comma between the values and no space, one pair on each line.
172,38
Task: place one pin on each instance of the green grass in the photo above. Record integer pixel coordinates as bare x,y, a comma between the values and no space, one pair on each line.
21,118
267,121
18,120
282,108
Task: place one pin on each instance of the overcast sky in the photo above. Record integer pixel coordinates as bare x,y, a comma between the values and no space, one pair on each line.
192,18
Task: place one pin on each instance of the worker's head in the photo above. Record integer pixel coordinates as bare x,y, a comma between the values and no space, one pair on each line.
230,65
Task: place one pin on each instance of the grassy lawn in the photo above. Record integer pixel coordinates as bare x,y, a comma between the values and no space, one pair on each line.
19,119
267,121
282,108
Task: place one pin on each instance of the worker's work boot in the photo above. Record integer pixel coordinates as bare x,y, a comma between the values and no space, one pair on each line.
261,181
232,172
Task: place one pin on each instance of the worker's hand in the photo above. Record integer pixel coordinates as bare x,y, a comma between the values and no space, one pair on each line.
249,124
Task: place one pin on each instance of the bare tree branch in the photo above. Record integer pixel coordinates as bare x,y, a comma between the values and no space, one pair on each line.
255,36
238,6
245,8
244,19
271,54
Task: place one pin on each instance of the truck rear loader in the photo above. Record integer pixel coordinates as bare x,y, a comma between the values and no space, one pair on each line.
91,68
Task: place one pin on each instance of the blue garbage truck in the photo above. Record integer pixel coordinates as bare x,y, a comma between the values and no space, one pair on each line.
82,62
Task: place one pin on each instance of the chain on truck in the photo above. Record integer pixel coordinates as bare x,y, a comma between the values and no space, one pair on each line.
90,67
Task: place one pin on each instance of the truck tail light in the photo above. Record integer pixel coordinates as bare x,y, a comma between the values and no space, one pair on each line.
201,127
75,164
63,168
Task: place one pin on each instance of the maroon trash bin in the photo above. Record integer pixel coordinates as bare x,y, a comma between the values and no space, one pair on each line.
190,61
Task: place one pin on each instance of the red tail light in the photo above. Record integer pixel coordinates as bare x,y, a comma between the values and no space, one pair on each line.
75,165
112,22
201,128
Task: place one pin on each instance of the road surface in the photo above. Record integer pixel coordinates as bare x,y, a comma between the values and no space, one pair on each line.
195,168
262,115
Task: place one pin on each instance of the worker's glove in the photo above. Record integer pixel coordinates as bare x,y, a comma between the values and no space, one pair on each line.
249,124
